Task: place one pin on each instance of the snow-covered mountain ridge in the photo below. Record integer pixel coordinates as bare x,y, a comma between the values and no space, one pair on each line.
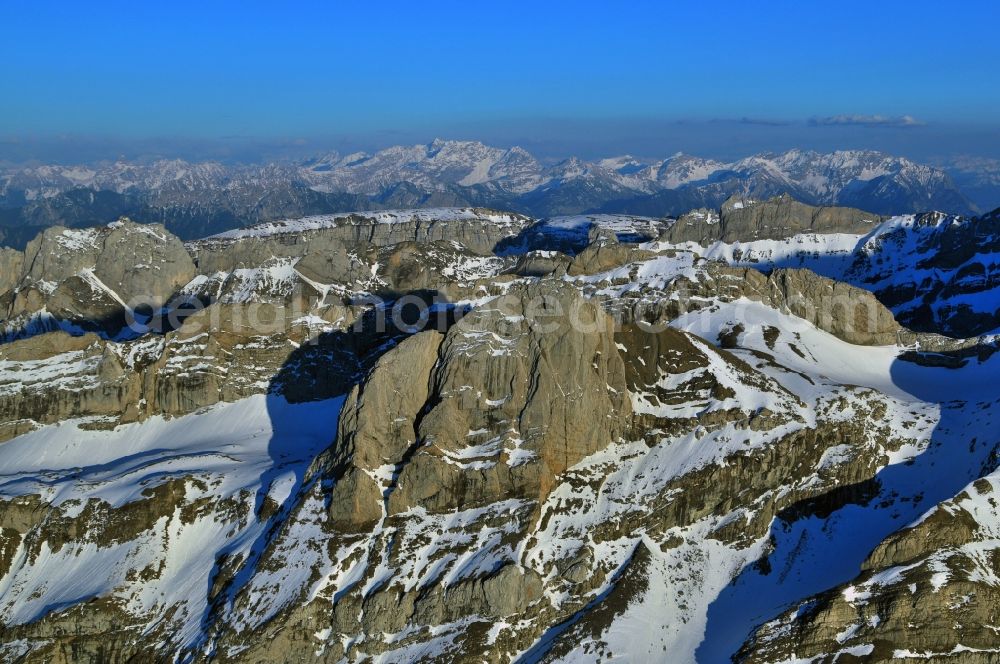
196,199
615,436
934,271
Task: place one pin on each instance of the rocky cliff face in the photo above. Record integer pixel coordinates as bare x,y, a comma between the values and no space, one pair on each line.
133,260
745,220
334,237
55,376
90,279
926,592
11,265
936,272
617,450
846,312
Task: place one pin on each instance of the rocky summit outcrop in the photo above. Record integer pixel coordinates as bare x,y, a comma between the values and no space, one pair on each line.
602,254
133,260
532,414
744,220
845,311
91,279
536,410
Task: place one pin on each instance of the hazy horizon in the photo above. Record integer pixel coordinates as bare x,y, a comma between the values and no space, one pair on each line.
251,82
643,139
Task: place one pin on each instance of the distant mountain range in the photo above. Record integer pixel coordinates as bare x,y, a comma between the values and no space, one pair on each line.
977,177
196,199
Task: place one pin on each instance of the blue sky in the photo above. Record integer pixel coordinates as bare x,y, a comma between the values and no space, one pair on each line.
595,75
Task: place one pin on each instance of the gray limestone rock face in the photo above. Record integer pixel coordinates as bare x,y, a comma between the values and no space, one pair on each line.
528,385
504,390
377,427
143,261
88,277
216,355
133,260
541,264
11,266
700,225
926,592
479,231
773,219
602,254
55,376
378,421
845,311
433,267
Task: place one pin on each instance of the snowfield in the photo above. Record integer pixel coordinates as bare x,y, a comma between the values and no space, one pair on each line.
228,452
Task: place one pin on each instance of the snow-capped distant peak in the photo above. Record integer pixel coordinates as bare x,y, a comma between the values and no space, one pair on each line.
464,172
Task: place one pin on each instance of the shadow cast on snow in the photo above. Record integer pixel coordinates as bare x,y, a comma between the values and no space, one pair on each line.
120,325
821,543
317,375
